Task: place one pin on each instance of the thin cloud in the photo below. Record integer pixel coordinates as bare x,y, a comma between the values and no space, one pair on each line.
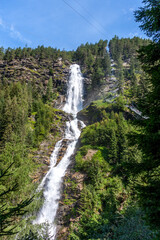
13,32
17,35
131,9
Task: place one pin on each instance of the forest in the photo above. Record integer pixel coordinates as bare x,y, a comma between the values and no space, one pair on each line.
118,154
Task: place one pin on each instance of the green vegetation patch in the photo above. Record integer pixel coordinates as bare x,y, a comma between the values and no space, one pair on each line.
107,208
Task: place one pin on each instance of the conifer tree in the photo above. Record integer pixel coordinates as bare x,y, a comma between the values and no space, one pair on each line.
113,147
122,142
49,92
149,139
106,63
120,75
8,215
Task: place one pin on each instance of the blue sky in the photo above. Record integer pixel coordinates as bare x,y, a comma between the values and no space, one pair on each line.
65,24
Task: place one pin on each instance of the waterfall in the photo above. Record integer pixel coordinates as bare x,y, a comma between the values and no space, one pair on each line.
53,179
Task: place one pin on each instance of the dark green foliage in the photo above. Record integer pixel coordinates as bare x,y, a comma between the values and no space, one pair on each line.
135,174
104,211
126,227
50,95
8,214
44,117
25,121
113,151
122,140
111,133
127,68
95,61
149,137
149,17
125,48
39,53
120,75
106,63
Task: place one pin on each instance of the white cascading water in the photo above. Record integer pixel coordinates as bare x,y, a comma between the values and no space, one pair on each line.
53,179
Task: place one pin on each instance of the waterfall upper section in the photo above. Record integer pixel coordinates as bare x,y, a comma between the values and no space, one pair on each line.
74,101
53,180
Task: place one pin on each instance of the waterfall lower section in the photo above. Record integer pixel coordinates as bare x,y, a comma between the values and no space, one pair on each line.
53,179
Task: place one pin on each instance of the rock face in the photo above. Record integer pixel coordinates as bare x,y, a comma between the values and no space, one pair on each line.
38,72
90,115
92,94
72,187
62,151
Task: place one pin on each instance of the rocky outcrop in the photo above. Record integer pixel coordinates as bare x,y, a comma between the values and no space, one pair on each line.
95,94
90,114
37,72
63,149
73,185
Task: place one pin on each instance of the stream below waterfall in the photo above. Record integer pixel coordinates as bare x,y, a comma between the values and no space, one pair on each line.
52,182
